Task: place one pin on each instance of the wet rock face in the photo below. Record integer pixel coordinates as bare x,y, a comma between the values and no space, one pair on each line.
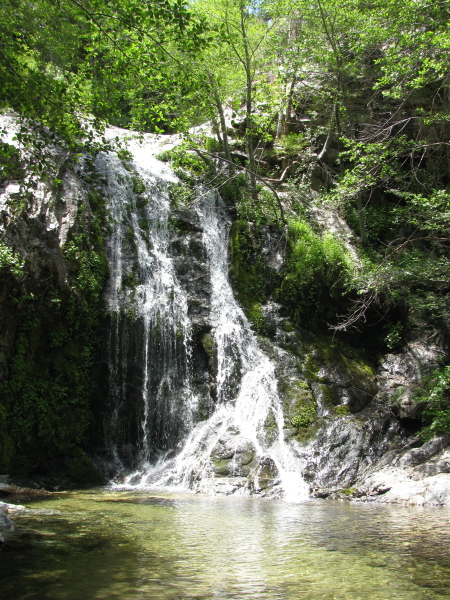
191,267
347,420
338,377
346,448
190,262
336,446
266,475
233,455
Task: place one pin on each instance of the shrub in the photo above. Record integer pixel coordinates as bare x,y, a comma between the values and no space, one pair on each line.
319,271
436,417
305,417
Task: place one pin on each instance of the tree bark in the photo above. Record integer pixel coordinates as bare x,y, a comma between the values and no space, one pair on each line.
223,125
249,106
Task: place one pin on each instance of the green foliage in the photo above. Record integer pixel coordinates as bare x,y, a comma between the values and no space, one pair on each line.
181,194
232,190
305,417
63,60
212,145
10,163
9,260
256,318
292,144
46,399
318,273
88,268
394,337
262,211
138,185
182,158
48,391
436,417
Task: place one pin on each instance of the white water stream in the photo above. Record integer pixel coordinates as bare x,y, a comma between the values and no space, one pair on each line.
240,419
143,289
246,429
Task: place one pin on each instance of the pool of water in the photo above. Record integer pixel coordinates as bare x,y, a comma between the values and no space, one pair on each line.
101,544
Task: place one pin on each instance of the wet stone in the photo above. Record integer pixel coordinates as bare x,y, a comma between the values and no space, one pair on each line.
232,456
267,473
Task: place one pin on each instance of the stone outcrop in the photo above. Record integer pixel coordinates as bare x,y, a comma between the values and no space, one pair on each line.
352,425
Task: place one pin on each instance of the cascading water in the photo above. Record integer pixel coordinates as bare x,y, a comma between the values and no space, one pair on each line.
239,447
151,401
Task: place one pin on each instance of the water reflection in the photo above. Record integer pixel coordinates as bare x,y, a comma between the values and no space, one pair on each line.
128,546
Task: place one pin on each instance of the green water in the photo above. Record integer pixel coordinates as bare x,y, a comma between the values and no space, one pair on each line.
137,546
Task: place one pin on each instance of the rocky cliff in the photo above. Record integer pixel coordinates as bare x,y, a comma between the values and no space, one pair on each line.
350,414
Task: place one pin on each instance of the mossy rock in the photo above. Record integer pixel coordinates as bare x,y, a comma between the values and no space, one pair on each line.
241,463
304,435
338,374
141,202
181,226
221,466
248,272
296,394
138,185
270,428
342,410
327,394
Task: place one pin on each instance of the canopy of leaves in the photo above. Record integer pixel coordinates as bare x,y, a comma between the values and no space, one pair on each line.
71,63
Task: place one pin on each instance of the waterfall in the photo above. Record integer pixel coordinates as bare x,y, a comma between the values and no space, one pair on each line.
151,401
156,433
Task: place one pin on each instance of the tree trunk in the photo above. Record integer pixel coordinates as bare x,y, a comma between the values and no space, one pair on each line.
249,106
283,126
223,125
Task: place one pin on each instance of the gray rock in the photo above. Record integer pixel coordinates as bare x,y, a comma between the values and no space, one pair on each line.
6,524
266,475
232,456
403,371
408,405
418,456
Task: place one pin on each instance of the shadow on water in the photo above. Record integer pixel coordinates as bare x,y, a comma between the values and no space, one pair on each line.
76,554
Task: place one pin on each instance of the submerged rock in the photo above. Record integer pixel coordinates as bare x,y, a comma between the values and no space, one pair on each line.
6,524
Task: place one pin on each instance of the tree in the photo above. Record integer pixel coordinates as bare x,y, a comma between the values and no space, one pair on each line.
241,54
68,65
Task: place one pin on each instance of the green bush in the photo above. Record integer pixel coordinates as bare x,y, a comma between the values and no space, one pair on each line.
318,274
436,417
182,158
45,402
292,144
305,417
10,260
